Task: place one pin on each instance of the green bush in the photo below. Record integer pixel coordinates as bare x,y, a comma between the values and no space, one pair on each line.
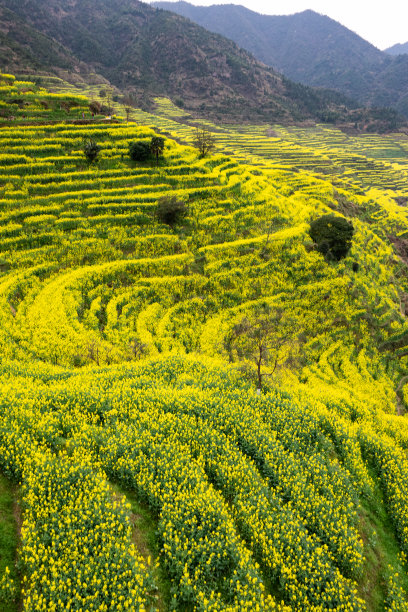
170,210
91,149
332,235
140,150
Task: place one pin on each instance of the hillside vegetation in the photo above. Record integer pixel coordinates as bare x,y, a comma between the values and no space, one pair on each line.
147,470
145,52
312,49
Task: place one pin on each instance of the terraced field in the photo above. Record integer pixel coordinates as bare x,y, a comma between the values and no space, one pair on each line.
142,468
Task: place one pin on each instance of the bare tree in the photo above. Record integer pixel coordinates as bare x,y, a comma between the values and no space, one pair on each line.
129,103
137,348
109,98
263,338
92,351
204,141
128,111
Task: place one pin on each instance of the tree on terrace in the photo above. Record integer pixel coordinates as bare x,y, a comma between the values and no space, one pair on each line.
333,235
157,147
171,210
264,338
204,141
139,150
91,149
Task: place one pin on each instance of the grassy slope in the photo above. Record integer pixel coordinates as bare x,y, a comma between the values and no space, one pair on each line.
89,275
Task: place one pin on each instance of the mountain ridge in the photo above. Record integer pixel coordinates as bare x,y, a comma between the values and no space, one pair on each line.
148,52
310,48
398,49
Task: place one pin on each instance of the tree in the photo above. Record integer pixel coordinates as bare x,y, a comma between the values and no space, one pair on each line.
91,149
170,210
204,141
95,107
157,147
109,96
333,235
128,111
139,150
137,348
264,338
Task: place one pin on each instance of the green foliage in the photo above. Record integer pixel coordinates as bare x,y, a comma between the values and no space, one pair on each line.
91,149
332,235
157,146
140,151
170,210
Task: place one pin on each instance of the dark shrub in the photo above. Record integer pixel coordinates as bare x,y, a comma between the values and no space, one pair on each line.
332,235
139,150
95,107
157,147
170,210
91,149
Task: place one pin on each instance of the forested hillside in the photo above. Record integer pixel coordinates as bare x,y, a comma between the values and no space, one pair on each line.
310,48
149,460
145,52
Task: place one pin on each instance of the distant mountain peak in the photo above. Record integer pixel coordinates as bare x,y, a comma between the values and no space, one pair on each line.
312,49
147,53
398,49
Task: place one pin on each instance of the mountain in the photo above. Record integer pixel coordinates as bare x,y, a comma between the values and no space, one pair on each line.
398,49
24,47
310,48
26,50
148,52
289,43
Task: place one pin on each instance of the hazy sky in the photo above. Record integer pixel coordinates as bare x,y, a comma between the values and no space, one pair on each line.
381,22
